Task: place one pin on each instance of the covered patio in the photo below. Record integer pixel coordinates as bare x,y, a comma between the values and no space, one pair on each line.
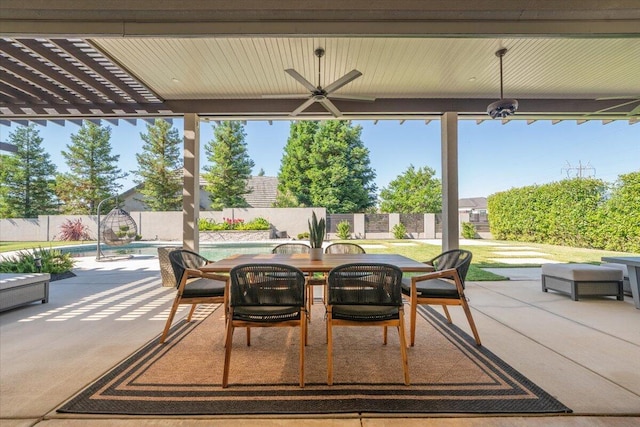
428,61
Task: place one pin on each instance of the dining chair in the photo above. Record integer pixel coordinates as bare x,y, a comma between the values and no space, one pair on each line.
265,295
291,248
360,294
444,286
344,248
194,286
301,248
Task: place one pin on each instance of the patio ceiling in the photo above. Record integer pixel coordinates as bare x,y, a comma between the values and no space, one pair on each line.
418,62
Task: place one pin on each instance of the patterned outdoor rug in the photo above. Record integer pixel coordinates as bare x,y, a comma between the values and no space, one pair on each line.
449,374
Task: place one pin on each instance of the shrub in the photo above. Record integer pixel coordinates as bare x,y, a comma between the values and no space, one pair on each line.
255,224
74,230
468,230
53,261
205,224
343,230
399,231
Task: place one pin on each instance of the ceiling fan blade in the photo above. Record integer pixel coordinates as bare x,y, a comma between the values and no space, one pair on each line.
635,111
289,96
347,78
303,106
352,98
304,82
614,107
330,106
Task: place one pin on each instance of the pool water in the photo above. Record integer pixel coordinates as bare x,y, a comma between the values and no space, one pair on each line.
213,252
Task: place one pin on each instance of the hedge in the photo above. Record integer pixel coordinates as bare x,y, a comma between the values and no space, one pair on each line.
580,212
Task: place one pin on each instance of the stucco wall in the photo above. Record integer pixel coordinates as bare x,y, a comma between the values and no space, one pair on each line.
168,225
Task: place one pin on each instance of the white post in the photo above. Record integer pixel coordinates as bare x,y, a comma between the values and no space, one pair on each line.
191,189
449,142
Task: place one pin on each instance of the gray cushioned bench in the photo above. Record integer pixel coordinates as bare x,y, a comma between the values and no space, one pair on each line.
580,280
21,289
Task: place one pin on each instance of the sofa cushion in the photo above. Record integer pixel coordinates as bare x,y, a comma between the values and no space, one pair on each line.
582,272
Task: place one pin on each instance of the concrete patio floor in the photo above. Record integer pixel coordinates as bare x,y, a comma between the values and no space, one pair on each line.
586,353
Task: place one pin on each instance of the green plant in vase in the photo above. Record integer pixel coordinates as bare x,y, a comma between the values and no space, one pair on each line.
317,232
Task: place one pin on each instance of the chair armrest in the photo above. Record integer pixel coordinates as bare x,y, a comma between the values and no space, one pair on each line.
213,276
192,272
449,274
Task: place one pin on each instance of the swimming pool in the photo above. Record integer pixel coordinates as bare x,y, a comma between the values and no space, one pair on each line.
211,251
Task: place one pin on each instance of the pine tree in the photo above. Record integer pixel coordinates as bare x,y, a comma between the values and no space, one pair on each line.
28,177
293,179
340,173
93,172
226,177
160,167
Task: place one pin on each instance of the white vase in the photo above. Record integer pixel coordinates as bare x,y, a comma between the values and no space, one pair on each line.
315,254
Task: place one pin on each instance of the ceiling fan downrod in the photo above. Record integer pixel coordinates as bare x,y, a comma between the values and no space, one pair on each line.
319,52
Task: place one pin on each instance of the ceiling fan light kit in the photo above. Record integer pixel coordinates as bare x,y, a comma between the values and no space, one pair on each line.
503,107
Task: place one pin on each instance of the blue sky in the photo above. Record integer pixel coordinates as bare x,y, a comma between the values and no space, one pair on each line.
492,157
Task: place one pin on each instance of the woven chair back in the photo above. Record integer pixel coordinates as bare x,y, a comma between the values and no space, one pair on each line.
291,248
365,284
459,259
344,248
183,259
266,285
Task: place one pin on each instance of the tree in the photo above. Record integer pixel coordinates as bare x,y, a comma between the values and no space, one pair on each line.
93,172
231,166
293,180
621,216
159,167
413,191
340,173
261,172
27,177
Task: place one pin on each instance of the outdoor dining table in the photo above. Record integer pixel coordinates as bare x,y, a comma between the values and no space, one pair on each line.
633,265
305,264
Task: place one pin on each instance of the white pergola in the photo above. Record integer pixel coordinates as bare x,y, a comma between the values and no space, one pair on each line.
221,60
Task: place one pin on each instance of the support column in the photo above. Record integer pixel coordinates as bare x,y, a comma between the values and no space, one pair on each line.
449,143
191,189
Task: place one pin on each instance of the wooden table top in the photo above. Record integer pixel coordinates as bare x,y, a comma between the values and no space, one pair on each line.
328,262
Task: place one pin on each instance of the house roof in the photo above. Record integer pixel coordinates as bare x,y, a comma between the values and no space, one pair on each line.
263,194
473,203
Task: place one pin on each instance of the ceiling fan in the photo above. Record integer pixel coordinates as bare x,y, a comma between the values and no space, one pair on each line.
631,100
502,107
319,94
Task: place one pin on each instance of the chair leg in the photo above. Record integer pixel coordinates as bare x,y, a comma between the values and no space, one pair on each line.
413,318
172,314
446,313
193,308
384,335
248,336
329,351
303,343
403,350
310,298
472,324
227,354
